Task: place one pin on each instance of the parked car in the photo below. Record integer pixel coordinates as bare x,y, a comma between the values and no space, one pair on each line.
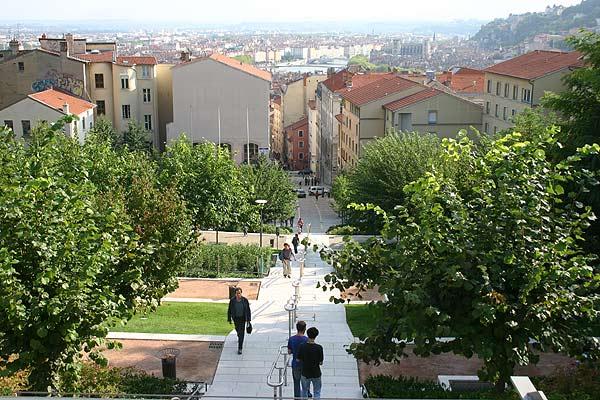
301,193
316,189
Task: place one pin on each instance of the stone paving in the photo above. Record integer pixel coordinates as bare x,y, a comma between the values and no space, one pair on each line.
246,374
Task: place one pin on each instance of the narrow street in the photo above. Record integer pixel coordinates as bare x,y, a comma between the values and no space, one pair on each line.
317,213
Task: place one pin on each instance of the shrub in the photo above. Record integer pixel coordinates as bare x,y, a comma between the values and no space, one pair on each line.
402,387
221,260
582,383
342,230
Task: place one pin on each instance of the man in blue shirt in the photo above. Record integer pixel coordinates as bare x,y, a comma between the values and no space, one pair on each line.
294,343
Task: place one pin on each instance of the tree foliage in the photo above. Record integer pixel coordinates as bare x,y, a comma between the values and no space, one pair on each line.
490,258
87,236
267,180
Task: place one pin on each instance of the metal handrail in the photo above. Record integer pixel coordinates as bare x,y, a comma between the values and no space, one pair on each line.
282,373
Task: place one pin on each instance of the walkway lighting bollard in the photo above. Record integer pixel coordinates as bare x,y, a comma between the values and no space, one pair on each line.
296,285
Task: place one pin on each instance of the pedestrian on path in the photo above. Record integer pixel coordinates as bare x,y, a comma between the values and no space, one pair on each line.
285,256
295,243
300,224
293,345
310,355
239,312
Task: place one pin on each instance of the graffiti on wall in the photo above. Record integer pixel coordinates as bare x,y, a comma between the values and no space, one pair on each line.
58,80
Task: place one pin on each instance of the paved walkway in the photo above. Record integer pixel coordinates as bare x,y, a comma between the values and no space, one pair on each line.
246,374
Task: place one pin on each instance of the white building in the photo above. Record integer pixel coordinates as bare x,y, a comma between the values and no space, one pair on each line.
49,106
207,87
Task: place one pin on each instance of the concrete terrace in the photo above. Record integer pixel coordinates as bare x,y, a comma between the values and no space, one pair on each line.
246,374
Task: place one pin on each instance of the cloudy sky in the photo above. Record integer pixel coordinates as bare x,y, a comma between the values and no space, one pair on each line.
234,11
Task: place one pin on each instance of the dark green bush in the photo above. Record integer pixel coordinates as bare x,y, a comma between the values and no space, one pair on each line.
342,230
221,260
382,386
581,383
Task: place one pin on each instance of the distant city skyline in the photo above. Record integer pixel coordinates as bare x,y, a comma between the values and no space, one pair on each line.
240,11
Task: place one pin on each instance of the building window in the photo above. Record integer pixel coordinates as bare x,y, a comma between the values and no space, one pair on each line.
124,82
9,124
26,125
432,117
301,144
498,88
21,66
83,123
253,151
487,107
496,111
489,86
100,107
495,130
506,90
515,92
301,156
148,122
504,110
99,78
146,71
486,127
526,95
126,111
300,133
514,112
146,94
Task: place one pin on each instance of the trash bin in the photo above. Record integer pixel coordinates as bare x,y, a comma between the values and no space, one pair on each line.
168,358
272,243
232,291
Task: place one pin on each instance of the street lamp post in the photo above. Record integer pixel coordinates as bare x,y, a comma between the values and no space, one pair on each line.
261,203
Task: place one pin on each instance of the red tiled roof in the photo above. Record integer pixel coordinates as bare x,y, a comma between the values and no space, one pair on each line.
536,64
56,99
412,99
340,118
312,104
386,85
338,80
298,124
106,56
136,60
465,80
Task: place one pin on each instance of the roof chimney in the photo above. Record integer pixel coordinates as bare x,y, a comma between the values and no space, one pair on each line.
65,108
14,45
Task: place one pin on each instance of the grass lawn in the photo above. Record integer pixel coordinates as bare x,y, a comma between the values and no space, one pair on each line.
184,318
360,318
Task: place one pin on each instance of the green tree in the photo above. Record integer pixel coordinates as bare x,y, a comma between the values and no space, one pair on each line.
137,138
361,60
104,131
245,59
579,108
209,182
87,237
267,180
490,259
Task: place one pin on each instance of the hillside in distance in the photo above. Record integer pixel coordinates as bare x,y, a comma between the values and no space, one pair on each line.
558,20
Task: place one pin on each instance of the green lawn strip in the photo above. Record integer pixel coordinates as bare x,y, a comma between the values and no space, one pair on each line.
361,319
182,318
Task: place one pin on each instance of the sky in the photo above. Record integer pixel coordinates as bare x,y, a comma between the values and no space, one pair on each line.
237,11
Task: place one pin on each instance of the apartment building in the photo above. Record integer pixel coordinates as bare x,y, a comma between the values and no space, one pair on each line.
464,82
221,100
296,95
519,83
296,136
313,138
392,102
48,106
125,89
276,128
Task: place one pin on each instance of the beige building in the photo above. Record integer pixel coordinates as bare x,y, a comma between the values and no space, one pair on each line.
123,87
164,98
296,96
276,128
313,138
393,102
519,83
205,87
48,106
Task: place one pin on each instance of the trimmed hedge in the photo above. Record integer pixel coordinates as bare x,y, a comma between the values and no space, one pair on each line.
227,261
388,387
343,230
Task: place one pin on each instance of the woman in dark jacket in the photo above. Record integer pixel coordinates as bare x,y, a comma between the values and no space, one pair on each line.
239,312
